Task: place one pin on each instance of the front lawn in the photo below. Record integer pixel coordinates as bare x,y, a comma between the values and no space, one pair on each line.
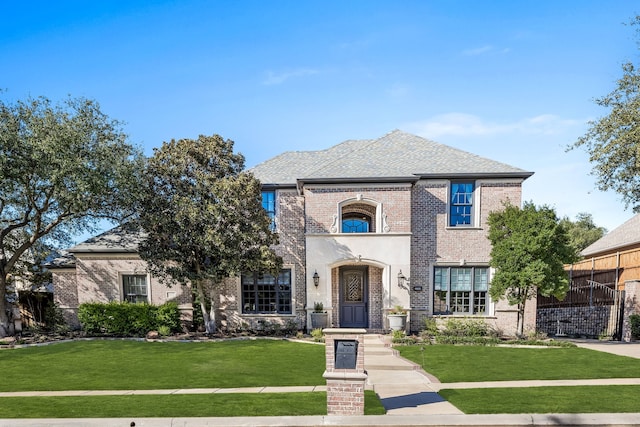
130,365
183,405
545,400
460,363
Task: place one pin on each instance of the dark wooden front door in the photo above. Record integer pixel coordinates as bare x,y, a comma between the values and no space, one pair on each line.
353,297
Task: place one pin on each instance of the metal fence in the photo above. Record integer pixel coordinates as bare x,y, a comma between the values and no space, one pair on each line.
592,309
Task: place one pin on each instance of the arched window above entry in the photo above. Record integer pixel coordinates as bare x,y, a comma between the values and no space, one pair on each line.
359,215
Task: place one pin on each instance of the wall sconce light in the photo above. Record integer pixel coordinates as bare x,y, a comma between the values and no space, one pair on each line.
316,279
402,279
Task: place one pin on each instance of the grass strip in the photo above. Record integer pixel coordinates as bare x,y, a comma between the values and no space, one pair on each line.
183,405
545,400
128,365
456,363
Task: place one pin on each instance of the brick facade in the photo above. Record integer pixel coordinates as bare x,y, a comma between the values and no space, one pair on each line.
408,235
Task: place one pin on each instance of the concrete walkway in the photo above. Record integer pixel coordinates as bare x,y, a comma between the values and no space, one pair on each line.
407,392
403,387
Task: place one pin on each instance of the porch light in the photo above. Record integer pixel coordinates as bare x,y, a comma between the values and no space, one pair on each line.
316,279
402,279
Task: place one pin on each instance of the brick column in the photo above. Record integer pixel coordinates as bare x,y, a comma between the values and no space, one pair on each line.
631,306
345,385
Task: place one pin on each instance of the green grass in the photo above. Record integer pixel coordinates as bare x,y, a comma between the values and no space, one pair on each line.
545,400
451,363
128,365
184,405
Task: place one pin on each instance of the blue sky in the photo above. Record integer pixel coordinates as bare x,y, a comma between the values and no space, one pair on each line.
510,80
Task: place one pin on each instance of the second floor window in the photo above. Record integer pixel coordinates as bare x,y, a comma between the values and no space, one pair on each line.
355,224
358,218
269,205
461,204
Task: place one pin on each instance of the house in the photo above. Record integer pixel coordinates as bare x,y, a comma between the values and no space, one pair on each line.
605,287
107,268
364,226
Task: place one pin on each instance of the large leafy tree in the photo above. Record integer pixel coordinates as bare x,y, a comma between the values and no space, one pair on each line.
613,141
583,231
63,168
203,217
529,249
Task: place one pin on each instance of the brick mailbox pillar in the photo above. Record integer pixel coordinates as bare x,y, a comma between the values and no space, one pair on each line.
345,373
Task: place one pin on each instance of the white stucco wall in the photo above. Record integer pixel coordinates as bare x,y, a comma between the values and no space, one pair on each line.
388,251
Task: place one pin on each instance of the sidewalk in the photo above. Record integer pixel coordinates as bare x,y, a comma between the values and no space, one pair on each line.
407,392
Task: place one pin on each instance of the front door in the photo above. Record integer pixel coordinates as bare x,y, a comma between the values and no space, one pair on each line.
353,297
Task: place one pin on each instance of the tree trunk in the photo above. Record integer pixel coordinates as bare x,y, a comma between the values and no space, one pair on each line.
209,327
4,315
521,320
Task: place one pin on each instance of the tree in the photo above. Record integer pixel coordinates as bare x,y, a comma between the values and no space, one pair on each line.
582,232
613,141
203,217
63,168
529,249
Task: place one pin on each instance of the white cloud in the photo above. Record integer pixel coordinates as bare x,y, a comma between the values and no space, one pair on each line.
398,90
486,49
279,78
462,124
478,50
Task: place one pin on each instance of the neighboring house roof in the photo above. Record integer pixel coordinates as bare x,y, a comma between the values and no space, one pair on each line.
396,155
627,234
123,238
63,260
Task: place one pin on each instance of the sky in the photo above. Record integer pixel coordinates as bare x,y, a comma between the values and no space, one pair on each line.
513,81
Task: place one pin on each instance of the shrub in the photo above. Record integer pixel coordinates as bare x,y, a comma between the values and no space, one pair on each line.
465,327
468,340
164,330
317,335
430,330
126,319
634,321
400,337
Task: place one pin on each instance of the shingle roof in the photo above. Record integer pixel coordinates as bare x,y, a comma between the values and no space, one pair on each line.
625,235
123,238
394,155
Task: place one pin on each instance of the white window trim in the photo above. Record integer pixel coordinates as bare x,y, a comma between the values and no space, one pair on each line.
121,275
380,223
476,208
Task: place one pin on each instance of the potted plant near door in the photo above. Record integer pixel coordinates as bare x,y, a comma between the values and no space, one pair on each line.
319,317
397,318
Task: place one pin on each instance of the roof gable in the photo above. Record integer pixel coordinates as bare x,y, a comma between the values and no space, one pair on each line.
395,155
123,238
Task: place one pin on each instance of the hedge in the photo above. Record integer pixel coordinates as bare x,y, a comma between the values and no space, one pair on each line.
127,319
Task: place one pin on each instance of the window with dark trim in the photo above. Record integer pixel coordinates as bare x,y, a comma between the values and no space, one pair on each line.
134,288
358,218
461,204
269,205
266,294
460,290
354,223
